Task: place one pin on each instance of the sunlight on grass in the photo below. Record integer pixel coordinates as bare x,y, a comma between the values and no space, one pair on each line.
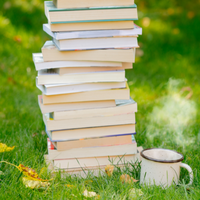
26,6
143,94
159,26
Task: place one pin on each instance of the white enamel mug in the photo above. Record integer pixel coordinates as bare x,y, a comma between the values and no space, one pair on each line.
161,167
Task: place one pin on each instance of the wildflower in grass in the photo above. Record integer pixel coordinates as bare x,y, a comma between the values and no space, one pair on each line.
31,178
31,174
125,178
4,148
109,169
69,186
90,194
134,193
33,184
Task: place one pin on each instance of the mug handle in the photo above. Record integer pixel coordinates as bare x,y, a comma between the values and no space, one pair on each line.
190,172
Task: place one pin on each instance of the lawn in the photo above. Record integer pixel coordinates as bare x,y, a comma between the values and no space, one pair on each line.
164,82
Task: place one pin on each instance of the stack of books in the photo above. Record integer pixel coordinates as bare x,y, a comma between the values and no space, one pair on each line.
85,102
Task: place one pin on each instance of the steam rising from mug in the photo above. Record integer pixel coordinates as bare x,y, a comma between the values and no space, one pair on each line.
173,116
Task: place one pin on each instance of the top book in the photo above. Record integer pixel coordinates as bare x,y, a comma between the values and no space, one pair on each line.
91,3
92,14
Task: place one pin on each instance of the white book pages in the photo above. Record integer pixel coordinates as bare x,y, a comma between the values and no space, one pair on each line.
91,34
85,77
96,43
40,64
79,87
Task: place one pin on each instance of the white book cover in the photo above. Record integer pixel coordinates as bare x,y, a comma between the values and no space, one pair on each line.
96,43
92,34
40,64
45,77
54,89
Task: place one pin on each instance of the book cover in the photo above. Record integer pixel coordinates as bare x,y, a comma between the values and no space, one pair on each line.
91,14
91,34
52,8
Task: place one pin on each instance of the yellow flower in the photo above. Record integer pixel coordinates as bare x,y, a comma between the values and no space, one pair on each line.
109,169
28,172
70,186
125,178
33,184
4,148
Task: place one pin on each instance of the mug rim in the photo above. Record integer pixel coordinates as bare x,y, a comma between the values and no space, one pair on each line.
161,161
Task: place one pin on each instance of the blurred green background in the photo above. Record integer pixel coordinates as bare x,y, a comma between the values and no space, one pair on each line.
169,48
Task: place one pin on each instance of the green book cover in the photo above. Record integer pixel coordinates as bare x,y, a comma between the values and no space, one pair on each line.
51,7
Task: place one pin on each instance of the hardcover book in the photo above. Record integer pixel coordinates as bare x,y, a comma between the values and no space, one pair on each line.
91,34
93,132
41,64
90,14
96,95
86,26
96,43
90,3
51,53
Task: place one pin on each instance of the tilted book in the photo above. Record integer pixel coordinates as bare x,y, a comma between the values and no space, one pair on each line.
92,34
51,124
92,132
122,107
51,53
41,64
89,142
96,43
96,95
73,105
54,89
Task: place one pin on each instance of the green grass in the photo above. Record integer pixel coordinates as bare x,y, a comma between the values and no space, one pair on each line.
170,47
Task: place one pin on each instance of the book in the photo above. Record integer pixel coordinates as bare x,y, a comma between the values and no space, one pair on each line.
94,162
122,107
103,141
51,53
41,64
95,170
85,152
73,105
51,124
90,14
96,43
93,132
54,89
92,34
51,77
90,3
70,70
86,26
96,95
